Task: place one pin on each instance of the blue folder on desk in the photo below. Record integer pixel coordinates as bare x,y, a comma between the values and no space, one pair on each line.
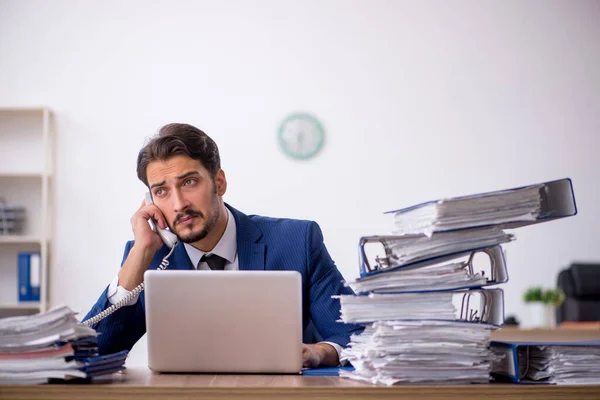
102,365
332,371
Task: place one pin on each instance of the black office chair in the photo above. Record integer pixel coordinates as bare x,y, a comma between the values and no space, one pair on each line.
581,286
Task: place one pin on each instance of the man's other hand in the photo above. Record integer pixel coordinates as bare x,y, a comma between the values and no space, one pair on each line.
319,355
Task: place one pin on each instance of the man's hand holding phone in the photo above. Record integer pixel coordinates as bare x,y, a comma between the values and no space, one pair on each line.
145,237
147,242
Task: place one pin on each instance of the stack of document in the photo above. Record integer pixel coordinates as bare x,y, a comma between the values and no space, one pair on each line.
575,364
422,292
386,307
11,218
513,207
427,321
568,363
50,346
446,260
440,276
394,352
476,305
407,249
422,337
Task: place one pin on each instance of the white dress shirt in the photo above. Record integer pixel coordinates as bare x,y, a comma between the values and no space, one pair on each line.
225,248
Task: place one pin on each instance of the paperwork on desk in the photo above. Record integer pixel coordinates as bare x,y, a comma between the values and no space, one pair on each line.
433,277
35,332
383,307
572,365
509,208
428,316
397,251
492,208
392,352
51,345
568,363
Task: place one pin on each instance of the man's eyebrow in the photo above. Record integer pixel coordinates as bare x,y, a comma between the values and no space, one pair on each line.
157,184
180,177
183,176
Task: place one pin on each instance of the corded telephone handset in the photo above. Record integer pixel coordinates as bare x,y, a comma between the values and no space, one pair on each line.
170,239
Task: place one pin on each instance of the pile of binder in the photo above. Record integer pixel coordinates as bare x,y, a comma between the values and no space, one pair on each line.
52,346
12,219
423,292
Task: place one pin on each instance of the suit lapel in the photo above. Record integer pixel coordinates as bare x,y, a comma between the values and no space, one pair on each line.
181,260
251,255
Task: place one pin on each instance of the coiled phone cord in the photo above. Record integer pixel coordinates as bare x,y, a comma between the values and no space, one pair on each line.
138,289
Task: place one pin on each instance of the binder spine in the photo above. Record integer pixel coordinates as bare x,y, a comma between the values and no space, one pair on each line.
23,282
558,199
505,367
29,276
489,311
34,276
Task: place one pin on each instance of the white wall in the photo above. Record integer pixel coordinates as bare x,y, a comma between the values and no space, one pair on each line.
420,100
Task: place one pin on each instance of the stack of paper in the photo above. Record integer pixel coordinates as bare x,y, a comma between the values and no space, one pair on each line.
444,261
508,208
421,295
407,249
422,337
386,307
394,352
484,209
568,363
575,364
51,345
439,276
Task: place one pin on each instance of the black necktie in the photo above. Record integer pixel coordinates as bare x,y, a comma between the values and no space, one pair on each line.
215,262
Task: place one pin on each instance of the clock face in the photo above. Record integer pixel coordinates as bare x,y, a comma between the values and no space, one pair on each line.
300,136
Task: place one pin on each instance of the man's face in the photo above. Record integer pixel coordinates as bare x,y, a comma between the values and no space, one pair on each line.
187,195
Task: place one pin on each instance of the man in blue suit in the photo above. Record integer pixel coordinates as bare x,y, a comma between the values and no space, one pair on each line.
181,167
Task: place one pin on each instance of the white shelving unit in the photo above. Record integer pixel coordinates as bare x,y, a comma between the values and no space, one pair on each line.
26,160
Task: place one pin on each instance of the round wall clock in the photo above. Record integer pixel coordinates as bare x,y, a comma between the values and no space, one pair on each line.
300,136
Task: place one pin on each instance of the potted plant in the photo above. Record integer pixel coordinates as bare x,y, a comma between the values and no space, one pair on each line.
542,303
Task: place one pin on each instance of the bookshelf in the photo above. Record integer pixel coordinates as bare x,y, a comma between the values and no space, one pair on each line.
26,160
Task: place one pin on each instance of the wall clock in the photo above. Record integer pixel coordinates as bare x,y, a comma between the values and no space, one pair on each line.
300,136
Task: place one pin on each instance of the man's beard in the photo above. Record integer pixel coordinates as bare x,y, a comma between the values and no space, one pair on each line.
208,226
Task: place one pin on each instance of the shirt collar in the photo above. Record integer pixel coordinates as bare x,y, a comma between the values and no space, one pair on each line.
226,247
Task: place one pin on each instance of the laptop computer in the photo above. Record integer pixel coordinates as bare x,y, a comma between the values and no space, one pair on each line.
224,321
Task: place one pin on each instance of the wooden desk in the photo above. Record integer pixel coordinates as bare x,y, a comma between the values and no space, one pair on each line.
549,335
141,383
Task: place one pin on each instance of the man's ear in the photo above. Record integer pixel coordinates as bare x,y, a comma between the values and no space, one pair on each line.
221,182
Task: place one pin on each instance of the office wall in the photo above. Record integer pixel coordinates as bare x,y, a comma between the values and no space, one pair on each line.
419,100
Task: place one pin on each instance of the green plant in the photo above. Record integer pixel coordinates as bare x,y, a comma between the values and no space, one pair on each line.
533,294
547,296
553,297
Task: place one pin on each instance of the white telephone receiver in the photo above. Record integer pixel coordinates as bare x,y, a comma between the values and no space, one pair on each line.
168,237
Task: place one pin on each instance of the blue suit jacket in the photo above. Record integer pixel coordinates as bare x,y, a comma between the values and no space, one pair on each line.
263,244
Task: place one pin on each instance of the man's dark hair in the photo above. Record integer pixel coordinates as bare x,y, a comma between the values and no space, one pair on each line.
179,139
